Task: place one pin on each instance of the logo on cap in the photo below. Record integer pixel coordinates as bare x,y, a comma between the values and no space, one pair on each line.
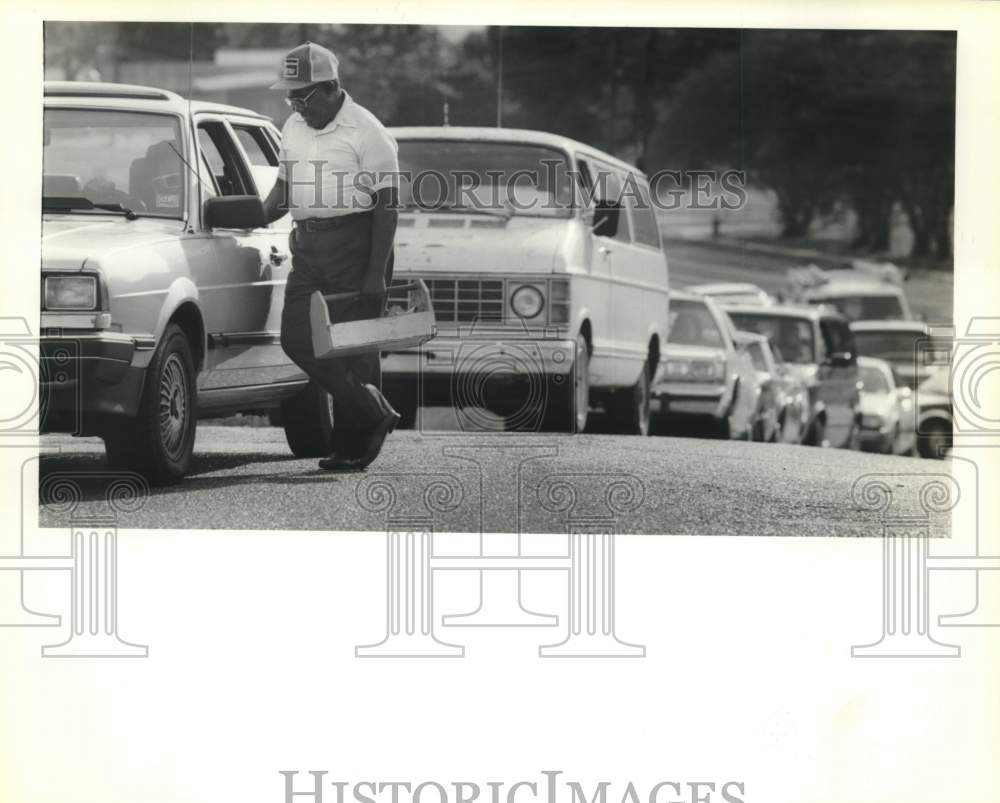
291,68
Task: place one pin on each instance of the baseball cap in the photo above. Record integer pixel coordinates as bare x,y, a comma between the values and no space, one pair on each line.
306,65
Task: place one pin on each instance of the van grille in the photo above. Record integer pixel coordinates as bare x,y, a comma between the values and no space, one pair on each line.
461,300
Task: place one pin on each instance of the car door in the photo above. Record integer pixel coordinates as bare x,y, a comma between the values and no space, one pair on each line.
838,374
629,306
242,302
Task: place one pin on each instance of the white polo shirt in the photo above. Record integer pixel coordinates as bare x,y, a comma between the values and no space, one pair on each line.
335,170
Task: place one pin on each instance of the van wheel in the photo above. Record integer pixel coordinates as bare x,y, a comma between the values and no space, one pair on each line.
630,409
816,435
158,444
308,421
568,407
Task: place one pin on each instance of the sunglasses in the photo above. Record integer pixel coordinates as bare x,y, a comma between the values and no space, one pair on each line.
299,103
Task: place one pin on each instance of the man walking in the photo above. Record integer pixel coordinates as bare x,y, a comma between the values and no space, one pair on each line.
336,177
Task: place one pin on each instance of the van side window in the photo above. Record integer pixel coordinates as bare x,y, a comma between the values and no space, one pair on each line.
608,188
644,225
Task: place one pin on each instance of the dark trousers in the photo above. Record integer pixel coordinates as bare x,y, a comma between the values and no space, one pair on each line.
335,261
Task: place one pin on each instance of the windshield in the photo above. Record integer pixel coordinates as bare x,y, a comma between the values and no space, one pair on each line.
792,336
111,157
866,308
691,324
873,380
892,346
501,177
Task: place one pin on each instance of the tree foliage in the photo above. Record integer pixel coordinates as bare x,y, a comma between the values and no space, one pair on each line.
864,118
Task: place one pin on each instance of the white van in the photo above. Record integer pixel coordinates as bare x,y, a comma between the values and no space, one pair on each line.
547,274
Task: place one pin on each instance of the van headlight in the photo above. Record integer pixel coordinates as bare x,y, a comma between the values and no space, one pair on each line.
70,292
526,301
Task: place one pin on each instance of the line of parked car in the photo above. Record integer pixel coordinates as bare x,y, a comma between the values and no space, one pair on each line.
815,370
162,294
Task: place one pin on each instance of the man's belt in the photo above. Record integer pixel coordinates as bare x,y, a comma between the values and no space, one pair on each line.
328,223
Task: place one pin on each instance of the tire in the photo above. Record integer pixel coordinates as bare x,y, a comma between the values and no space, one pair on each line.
931,442
308,422
723,427
630,409
159,442
568,408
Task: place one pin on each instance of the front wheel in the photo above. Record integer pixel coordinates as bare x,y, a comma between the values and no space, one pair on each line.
630,409
159,442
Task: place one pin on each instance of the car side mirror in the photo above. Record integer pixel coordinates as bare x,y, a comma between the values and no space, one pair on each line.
235,212
606,217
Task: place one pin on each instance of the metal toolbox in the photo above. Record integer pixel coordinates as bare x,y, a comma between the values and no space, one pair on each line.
396,330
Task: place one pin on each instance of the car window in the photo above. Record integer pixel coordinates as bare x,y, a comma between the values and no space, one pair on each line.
873,380
865,308
604,184
889,345
644,226
112,157
517,178
690,323
262,157
792,336
228,171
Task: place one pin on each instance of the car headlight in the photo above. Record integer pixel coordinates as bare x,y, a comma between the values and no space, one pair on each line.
70,292
526,301
696,370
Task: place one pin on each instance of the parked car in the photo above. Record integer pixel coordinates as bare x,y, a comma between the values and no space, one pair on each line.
886,415
934,414
896,342
866,291
783,403
732,293
819,347
150,264
546,272
707,376
764,419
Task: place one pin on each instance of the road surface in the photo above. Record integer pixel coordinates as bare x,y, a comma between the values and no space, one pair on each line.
245,478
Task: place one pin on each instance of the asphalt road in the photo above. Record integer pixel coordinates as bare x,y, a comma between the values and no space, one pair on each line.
245,478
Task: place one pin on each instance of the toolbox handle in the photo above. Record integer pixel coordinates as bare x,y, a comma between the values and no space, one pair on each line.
356,294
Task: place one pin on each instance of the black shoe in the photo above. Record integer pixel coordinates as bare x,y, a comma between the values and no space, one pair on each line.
377,437
336,462
381,401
